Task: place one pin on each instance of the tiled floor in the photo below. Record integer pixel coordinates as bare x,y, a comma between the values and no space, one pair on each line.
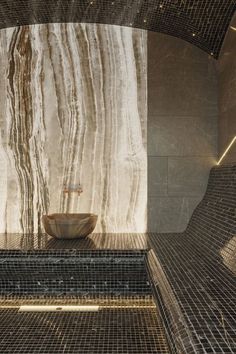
108,331
128,321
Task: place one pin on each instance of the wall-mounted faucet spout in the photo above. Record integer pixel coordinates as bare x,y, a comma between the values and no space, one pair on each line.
73,188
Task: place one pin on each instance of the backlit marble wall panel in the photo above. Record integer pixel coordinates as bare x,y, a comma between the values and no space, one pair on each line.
73,109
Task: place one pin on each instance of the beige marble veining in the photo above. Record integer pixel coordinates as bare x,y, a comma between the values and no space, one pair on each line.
73,110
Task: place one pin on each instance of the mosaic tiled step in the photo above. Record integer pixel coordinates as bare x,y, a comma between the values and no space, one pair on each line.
78,274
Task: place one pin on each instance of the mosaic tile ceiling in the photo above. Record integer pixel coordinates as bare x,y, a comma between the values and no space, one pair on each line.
201,22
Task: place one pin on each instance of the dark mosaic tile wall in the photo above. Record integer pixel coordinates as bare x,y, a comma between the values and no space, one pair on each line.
212,228
196,285
203,23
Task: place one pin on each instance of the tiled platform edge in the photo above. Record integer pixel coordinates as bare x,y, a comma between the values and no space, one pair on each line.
195,271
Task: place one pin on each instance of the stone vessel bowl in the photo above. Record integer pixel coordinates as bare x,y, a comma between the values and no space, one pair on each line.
69,226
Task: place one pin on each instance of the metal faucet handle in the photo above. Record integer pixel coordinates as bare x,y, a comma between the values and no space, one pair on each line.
77,188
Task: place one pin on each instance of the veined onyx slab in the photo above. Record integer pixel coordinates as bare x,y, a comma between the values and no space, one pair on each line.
73,110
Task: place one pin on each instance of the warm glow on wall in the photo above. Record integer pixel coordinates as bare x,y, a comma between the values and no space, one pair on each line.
227,150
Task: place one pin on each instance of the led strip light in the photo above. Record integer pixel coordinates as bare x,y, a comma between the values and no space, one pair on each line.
72,308
64,308
227,150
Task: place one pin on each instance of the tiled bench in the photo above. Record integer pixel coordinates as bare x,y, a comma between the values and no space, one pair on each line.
195,272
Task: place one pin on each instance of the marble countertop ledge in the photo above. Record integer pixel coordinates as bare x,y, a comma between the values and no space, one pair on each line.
118,241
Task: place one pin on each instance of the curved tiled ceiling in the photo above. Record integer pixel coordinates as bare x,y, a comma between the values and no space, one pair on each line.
200,22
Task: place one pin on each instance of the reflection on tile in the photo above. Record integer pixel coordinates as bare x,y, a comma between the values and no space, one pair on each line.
95,241
228,253
107,331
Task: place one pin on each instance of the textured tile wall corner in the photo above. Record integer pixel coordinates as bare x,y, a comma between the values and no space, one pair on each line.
182,130
73,108
227,93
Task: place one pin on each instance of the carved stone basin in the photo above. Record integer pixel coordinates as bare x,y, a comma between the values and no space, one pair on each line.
69,226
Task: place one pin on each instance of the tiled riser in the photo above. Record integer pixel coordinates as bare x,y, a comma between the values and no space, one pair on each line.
74,276
65,287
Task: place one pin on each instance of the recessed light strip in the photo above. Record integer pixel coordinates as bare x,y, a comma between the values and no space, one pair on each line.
227,150
66,308
73,308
